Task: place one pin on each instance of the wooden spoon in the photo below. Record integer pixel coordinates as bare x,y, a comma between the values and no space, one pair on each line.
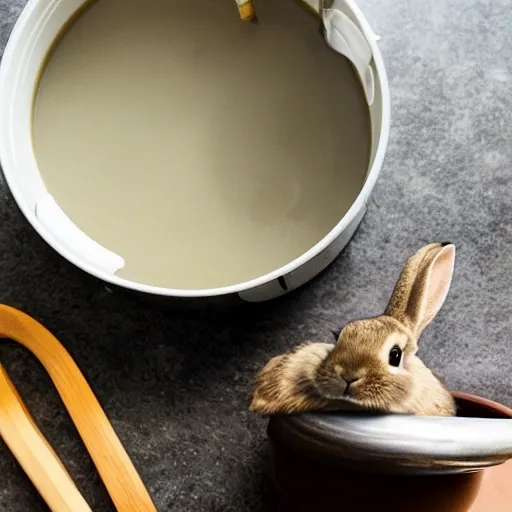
33,451
246,9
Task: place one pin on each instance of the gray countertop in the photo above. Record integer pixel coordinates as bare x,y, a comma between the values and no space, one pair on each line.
176,385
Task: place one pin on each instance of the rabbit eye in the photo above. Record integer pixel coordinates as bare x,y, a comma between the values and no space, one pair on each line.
395,356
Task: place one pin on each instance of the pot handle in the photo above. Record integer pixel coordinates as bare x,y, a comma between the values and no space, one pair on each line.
76,242
30,447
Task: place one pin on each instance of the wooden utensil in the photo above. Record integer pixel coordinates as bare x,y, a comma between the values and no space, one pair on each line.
32,450
246,9
247,12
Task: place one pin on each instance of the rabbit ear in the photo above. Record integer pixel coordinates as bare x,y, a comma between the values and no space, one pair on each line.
423,286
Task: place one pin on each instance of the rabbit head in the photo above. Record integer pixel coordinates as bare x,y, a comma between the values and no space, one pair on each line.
374,362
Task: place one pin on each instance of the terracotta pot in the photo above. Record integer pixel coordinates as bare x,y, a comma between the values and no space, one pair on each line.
308,484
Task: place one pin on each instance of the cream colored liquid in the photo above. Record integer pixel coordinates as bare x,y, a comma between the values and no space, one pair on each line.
203,150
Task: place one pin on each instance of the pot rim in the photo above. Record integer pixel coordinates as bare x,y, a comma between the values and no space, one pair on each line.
399,443
485,402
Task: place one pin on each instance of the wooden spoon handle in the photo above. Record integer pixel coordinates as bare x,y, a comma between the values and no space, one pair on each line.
246,9
35,455
114,466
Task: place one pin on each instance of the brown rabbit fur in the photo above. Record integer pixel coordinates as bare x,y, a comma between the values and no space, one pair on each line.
373,365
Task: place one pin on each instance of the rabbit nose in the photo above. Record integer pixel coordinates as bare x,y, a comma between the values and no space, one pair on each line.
349,382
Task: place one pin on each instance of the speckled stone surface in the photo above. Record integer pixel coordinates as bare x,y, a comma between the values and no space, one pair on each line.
176,384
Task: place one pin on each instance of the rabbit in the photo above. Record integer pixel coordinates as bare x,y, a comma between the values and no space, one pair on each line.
374,364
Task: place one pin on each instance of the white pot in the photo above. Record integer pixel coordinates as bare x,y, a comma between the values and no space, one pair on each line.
347,31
